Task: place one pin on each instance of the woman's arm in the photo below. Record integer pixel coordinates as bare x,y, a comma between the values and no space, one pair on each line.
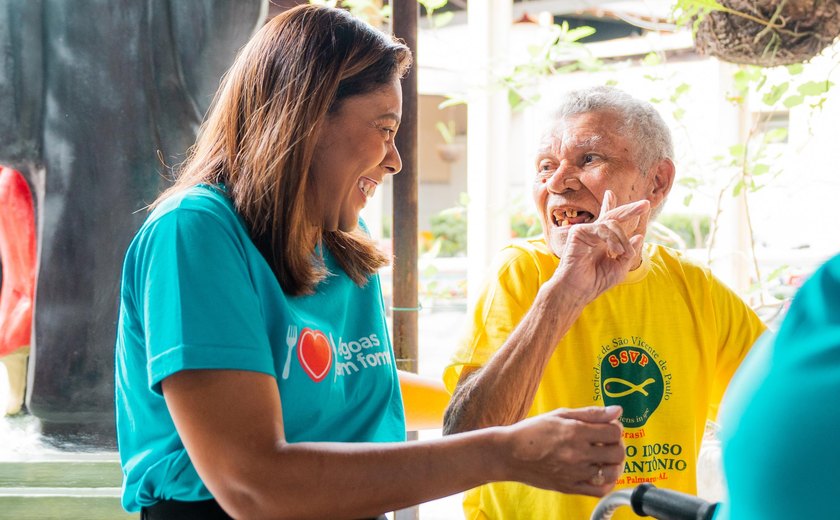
232,427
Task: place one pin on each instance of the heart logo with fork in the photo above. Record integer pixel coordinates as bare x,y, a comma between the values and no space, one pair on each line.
314,353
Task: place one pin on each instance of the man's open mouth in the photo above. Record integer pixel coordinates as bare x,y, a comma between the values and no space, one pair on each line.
367,186
562,217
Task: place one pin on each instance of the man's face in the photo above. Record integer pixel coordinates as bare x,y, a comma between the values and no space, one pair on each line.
578,160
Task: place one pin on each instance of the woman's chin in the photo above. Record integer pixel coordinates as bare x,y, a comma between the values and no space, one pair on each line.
348,225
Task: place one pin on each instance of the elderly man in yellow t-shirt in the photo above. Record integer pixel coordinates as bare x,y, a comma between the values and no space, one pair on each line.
559,325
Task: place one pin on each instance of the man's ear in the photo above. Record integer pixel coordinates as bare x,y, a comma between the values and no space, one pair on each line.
662,179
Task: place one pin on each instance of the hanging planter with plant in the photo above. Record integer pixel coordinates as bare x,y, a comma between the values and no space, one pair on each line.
766,33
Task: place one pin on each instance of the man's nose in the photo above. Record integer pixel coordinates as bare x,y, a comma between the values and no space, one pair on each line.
392,161
565,177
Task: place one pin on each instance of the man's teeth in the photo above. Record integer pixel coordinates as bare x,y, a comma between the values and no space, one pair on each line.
562,216
367,186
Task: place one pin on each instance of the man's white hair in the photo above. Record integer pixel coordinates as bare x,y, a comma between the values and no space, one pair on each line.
641,123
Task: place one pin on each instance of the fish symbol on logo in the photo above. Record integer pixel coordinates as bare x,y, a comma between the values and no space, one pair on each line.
630,386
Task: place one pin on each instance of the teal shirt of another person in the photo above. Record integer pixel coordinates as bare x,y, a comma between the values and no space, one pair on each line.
197,294
781,415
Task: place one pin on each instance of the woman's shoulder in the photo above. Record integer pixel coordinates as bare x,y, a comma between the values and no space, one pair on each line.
202,197
201,208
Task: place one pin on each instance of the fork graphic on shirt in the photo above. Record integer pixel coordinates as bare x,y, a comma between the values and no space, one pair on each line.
291,341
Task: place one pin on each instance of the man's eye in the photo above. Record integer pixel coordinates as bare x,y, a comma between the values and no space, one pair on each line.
545,167
588,158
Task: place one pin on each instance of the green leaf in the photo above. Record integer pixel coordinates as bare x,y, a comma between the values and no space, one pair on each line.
792,101
651,59
446,131
775,94
776,272
814,88
762,80
682,88
775,135
514,99
738,188
578,33
452,100
433,5
687,199
443,19
678,114
760,169
735,100
679,91
746,75
535,50
737,150
711,5
795,69
689,182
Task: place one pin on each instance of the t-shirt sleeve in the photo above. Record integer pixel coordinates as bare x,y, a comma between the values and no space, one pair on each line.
738,329
780,426
502,302
199,306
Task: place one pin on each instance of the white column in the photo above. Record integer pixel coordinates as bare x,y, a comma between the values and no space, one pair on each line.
488,123
731,258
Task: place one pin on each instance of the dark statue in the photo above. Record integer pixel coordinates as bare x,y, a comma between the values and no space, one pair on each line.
97,99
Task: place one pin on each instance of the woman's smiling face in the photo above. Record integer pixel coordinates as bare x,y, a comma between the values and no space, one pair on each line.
354,152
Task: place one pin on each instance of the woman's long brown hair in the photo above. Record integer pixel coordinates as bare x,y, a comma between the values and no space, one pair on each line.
259,136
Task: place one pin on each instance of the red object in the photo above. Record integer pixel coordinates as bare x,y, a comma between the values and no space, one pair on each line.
17,253
314,354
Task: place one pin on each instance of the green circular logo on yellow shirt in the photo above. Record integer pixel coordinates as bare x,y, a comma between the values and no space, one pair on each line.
630,378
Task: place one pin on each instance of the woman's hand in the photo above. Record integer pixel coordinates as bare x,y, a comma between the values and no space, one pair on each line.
576,451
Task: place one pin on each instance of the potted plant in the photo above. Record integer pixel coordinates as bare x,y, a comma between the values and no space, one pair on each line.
449,151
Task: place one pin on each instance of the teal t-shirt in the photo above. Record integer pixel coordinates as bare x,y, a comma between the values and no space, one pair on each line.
781,414
197,294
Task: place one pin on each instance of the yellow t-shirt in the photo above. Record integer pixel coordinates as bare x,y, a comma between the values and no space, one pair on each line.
663,344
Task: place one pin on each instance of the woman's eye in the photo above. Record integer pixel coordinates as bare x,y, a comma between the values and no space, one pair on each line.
588,158
545,167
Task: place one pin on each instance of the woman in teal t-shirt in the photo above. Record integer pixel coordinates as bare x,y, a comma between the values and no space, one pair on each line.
255,376
780,450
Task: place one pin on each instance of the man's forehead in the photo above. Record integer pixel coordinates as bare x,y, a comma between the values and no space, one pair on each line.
562,134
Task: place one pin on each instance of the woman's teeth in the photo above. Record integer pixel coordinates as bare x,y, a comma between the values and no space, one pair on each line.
367,187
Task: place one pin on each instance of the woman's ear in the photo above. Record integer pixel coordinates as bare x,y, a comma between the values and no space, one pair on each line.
662,179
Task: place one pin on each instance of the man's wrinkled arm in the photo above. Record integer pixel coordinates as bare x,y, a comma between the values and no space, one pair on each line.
502,391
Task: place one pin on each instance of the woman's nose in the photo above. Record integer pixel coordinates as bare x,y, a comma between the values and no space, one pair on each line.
392,161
